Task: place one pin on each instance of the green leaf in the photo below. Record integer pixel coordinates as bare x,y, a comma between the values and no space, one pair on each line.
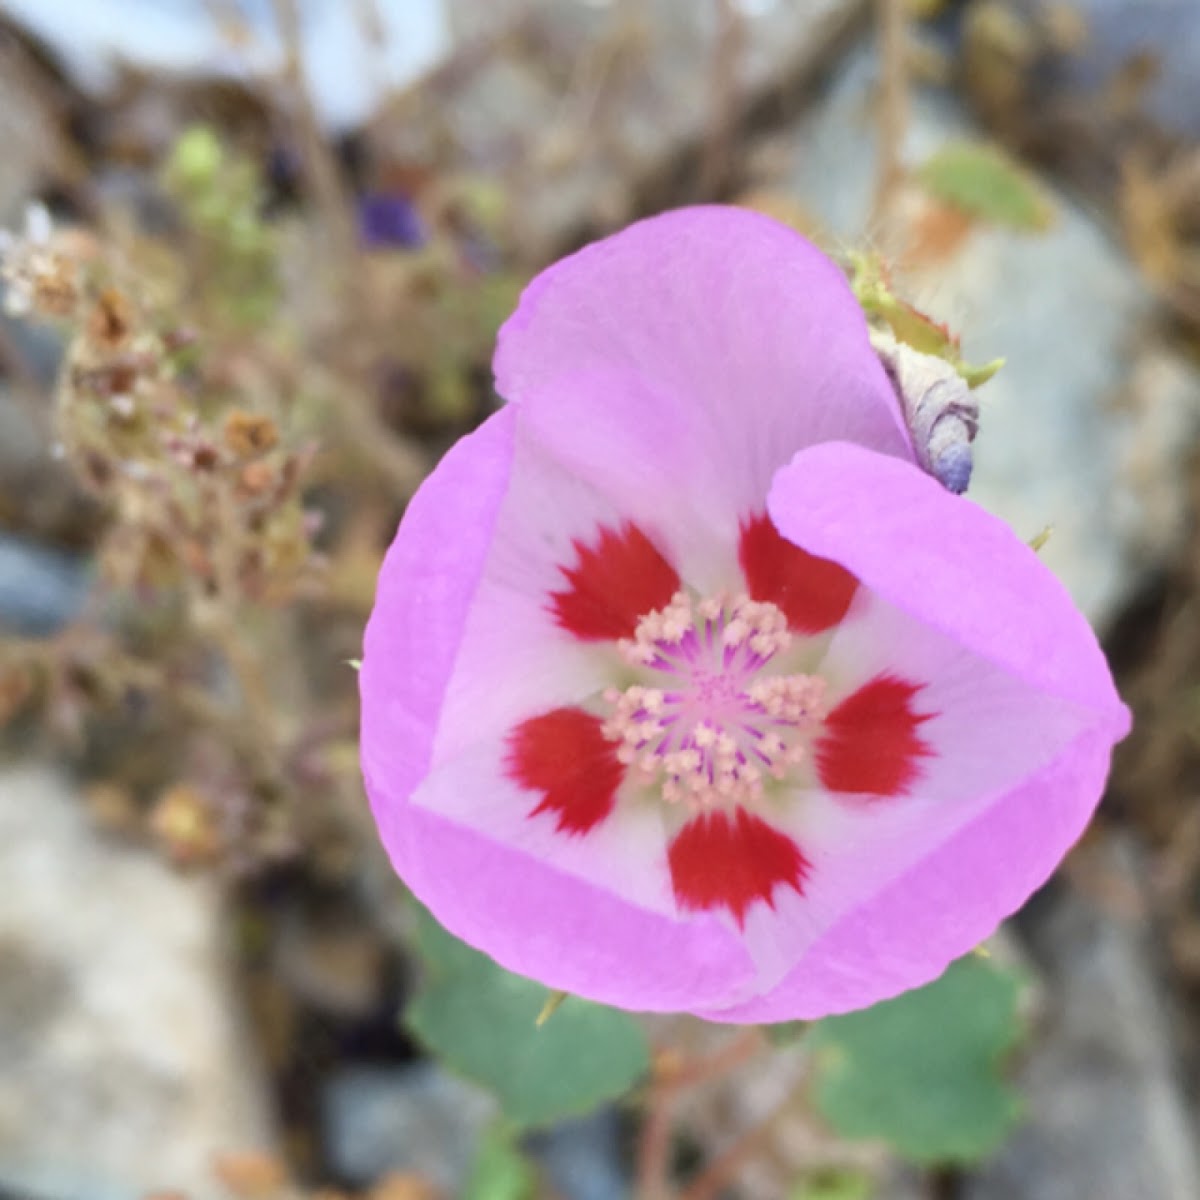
842,1185
500,1171
985,183
923,1071
481,1021
197,157
908,324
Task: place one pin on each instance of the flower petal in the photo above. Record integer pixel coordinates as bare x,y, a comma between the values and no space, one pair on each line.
979,733
623,851
813,593
563,575
948,725
871,741
728,863
426,589
682,361
909,932
618,577
949,565
528,914
564,756
537,921
1016,737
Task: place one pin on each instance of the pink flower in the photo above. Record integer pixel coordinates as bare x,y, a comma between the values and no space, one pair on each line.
685,689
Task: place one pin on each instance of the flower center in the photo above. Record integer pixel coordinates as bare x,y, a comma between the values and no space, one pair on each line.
713,716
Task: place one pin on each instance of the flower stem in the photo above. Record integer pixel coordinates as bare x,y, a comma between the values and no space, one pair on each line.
654,1153
723,1169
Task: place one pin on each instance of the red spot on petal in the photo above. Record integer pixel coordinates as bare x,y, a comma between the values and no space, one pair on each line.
564,755
722,862
617,580
814,593
870,743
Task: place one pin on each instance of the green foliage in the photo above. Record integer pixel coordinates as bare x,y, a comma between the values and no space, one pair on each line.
908,324
481,1021
923,1071
196,160
984,182
500,1171
842,1185
234,252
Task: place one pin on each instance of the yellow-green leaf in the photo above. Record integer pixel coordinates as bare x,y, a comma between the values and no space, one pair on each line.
987,184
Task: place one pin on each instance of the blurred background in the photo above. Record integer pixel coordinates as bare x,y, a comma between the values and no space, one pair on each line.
258,254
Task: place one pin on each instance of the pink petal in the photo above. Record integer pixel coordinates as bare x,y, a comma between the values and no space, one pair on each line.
569,935
981,733
679,363
624,851
618,577
560,576
906,934
947,726
948,564
426,588
564,756
718,862
532,917
1021,713
871,741
813,593
980,728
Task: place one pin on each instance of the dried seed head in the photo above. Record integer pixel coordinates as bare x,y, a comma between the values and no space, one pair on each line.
250,434
255,479
205,457
16,687
111,320
185,824
40,278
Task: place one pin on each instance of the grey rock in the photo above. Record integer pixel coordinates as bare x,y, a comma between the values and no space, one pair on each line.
585,114
40,347
22,444
348,70
41,589
123,1065
31,132
580,1159
1087,427
415,1118
39,493
1106,1117
35,154
1114,34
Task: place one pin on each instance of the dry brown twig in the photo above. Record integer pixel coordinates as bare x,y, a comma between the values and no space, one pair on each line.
892,105
320,163
724,1168
676,1079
